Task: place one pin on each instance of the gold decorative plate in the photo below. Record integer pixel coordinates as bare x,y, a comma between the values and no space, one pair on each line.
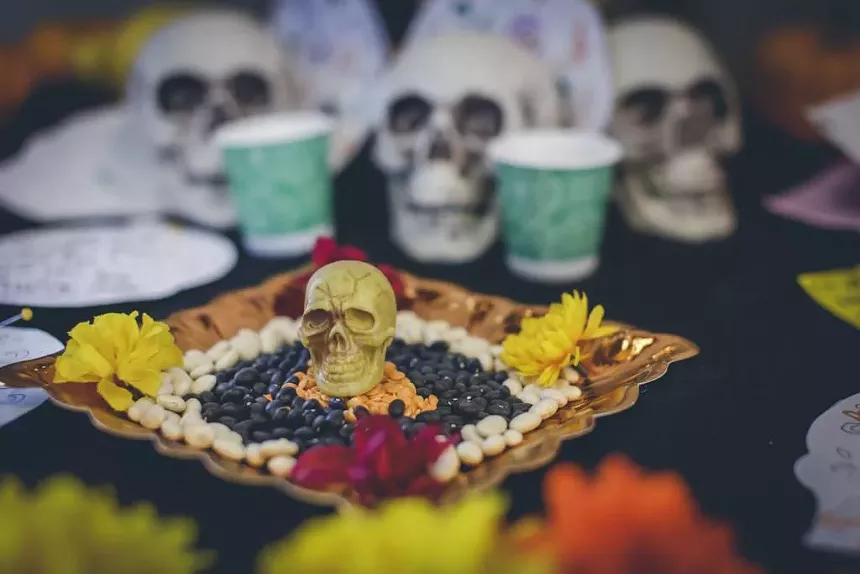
622,362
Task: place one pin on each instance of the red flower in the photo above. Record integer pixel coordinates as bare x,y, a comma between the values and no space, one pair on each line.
290,301
382,462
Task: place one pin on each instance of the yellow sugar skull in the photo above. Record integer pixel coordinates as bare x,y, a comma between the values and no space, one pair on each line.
348,324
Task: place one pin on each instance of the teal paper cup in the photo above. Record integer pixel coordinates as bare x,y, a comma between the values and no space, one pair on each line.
278,172
554,188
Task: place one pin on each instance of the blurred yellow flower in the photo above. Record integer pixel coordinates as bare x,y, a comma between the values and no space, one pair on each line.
404,536
114,351
65,527
545,345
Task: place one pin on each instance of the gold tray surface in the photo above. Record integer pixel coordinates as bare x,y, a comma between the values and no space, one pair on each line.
623,362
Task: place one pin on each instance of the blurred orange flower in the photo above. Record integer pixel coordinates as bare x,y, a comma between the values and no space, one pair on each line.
624,520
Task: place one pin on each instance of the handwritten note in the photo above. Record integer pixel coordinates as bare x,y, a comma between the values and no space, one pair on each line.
15,403
81,267
21,344
831,470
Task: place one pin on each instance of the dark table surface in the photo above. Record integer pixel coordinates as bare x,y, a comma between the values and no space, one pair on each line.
732,421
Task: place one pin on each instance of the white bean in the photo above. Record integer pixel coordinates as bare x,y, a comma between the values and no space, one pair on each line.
433,335
166,387
138,409
199,435
254,456
193,404
170,416
526,422
288,328
229,449
456,334
190,417
496,350
220,430
153,417
545,409
492,425
270,340
570,374
493,445
499,365
486,360
513,437
203,384
278,447
203,369
514,386
571,392
447,466
218,350
554,395
194,358
470,433
172,403
182,381
230,358
233,436
171,429
529,397
470,453
281,466
247,343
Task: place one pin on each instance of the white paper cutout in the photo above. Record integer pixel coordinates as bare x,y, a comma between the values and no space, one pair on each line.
15,403
839,121
341,48
568,34
82,267
19,344
831,470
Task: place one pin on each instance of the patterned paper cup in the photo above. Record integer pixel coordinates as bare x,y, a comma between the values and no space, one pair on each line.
554,187
278,171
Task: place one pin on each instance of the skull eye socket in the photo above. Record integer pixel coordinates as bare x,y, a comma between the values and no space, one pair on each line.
479,116
181,93
408,113
316,320
250,89
359,319
646,105
708,99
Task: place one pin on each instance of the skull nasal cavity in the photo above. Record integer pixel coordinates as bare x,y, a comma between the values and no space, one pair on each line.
219,117
338,338
440,148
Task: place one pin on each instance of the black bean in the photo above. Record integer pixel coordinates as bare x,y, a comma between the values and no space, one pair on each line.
277,377
331,441
493,395
286,395
261,401
210,406
468,409
427,370
441,386
478,379
319,423
460,387
311,443
311,405
462,378
274,406
243,426
231,408
222,377
298,403
258,408
337,404
346,430
500,376
439,346
206,397
505,392
282,432
286,365
260,436
261,363
431,378
428,416
360,412
335,418
500,408
246,376
425,391
304,433
259,419
280,416
227,421
295,419
446,374
274,389
473,365
396,408
443,411
233,395
449,394
310,417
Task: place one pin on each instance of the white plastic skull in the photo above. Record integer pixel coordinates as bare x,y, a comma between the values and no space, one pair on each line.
200,72
445,99
677,116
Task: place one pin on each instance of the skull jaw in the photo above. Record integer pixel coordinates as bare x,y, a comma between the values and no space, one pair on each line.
437,235
648,214
360,375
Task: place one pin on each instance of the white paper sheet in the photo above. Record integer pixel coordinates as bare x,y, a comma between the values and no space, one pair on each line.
569,34
15,403
831,470
839,122
81,267
19,344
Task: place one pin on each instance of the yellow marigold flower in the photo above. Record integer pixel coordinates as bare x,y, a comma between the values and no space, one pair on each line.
114,351
404,536
545,345
63,526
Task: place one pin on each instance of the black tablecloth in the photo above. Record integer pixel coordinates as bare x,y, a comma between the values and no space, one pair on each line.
732,421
